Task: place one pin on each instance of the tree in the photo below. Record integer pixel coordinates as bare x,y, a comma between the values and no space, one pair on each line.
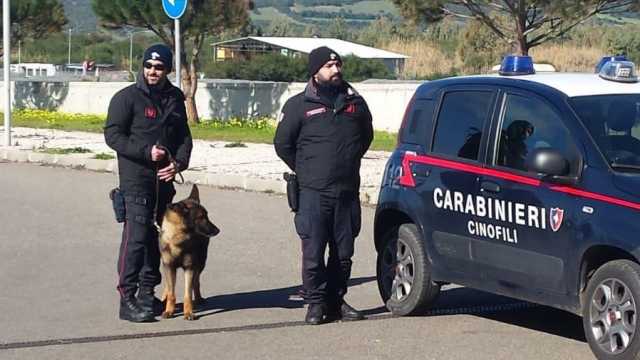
532,22
33,19
338,29
202,18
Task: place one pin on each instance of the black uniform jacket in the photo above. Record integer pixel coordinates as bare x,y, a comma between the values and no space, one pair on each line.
324,142
138,119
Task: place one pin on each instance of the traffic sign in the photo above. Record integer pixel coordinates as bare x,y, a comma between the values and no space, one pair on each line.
174,8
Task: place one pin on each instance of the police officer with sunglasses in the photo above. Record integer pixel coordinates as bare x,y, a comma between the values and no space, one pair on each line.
147,127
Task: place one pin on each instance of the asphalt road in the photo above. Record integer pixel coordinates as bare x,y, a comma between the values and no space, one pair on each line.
58,248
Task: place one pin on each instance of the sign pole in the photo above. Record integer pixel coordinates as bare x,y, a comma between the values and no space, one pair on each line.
6,46
176,23
174,10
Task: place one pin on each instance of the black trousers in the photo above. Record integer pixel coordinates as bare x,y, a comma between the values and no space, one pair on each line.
139,258
327,220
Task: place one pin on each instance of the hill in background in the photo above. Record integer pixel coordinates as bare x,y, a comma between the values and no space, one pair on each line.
80,15
302,13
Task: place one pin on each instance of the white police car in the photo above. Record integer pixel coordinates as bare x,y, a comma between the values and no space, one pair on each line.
520,184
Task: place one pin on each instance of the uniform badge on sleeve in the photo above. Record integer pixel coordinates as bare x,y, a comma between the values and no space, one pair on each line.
150,112
316,111
350,109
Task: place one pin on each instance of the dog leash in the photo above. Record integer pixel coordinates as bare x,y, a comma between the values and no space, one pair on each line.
179,173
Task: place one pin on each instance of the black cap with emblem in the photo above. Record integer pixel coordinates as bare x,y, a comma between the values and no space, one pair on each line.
320,56
159,52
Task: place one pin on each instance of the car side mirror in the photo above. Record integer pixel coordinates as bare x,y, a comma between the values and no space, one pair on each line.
552,164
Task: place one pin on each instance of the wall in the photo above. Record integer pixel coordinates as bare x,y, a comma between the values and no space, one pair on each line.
215,99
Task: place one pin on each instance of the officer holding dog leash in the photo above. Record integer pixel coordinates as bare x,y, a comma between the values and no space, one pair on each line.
147,127
324,133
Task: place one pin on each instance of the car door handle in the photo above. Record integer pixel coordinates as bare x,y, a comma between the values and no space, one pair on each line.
489,186
421,170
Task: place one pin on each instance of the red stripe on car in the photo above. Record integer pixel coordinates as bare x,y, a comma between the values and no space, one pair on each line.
406,179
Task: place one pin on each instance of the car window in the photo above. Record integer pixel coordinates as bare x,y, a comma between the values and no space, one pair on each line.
614,123
460,123
420,125
527,124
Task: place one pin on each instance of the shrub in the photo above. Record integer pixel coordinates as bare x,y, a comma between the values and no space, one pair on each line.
357,69
268,67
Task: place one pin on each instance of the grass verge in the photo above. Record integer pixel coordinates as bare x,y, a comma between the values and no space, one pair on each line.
234,130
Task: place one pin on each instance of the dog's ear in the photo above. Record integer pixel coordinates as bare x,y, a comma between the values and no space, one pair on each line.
195,194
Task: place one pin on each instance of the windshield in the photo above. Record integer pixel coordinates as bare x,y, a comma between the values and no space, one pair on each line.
613,123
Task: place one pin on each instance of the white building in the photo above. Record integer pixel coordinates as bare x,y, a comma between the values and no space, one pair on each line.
298,46
34,69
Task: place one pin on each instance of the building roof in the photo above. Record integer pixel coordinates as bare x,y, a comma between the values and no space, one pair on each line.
305,45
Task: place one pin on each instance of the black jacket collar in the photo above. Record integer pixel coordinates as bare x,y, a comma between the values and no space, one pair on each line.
311,93
167,90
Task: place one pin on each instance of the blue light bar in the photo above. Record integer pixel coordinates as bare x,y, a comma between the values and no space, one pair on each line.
620,71
606,59
516,65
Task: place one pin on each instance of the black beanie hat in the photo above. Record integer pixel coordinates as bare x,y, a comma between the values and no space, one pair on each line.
320,56
159,52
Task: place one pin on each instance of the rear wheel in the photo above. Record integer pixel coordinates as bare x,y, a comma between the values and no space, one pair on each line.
610,312
404,272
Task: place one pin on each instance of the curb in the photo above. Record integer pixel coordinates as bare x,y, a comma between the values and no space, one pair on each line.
368,195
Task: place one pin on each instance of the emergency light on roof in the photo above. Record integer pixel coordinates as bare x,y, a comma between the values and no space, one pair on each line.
516,65
606,59
621,71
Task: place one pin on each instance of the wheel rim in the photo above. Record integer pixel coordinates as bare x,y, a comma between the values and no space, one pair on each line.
613,316
397,270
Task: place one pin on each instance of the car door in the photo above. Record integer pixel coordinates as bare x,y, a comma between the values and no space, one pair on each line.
524,237
458,142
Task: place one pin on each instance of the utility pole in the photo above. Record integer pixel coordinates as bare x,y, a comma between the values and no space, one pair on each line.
69,56
6,46
131,52
178,52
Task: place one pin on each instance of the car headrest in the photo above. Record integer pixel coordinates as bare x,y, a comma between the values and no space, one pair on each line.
621,115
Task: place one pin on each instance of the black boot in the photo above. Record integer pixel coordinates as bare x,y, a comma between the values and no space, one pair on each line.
316,314
341,310
129,310
148,302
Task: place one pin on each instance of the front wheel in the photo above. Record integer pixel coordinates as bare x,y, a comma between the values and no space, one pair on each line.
404,272
610,312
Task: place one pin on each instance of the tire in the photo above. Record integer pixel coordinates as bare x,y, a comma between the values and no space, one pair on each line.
609,314
404,272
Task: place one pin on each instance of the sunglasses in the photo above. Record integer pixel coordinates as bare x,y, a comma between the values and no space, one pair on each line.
159,67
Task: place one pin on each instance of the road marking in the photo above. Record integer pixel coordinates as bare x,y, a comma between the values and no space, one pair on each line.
470,310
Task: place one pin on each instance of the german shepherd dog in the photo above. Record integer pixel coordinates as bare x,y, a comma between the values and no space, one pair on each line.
184,240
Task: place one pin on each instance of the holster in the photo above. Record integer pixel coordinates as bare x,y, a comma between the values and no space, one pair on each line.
117,201
293,190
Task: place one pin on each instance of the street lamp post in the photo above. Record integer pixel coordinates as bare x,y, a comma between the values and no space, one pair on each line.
131,52
6,29
69,55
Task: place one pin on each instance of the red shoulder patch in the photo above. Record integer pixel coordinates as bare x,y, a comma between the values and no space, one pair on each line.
350,109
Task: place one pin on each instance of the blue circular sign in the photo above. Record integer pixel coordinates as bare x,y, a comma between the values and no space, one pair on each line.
174,8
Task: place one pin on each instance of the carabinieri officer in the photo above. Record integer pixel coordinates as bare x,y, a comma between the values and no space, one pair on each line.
147,127
323,135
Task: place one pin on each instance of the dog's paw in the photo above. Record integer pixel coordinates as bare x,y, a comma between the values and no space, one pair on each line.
190,316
